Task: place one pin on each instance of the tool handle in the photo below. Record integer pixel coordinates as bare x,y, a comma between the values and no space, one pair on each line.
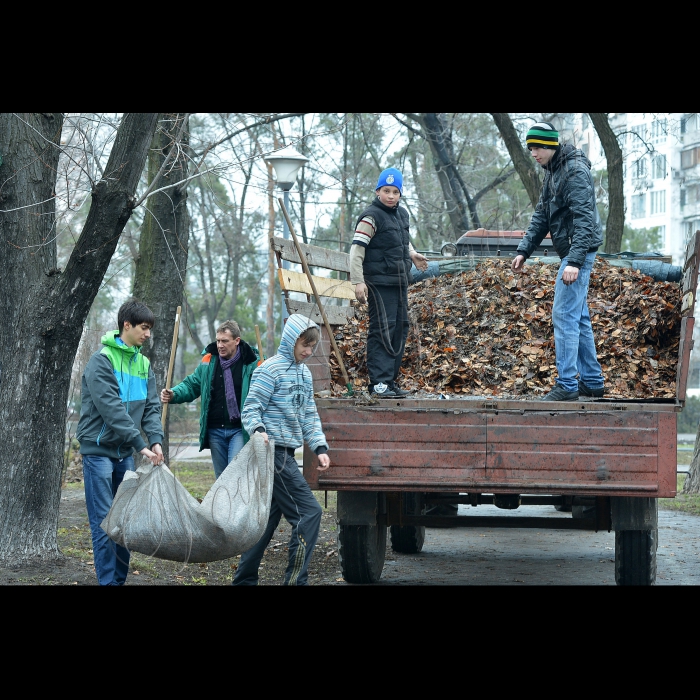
260,349
173,349
305,265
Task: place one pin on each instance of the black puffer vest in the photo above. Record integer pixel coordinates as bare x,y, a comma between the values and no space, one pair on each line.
387,261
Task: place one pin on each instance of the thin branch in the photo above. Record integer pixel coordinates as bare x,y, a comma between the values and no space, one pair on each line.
501,178
175,148
415,118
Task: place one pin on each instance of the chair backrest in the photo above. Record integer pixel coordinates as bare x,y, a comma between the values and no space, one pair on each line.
327,288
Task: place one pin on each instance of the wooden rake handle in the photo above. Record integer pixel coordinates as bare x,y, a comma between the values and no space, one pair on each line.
305,265
173,349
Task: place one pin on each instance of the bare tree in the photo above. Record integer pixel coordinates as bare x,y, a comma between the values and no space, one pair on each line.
522,162
159,280
614,228
42,311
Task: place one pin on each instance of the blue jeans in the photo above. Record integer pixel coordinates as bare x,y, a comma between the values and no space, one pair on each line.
102,476
225,444
291,497
574,345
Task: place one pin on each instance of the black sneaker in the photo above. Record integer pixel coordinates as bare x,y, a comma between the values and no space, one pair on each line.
585,391
398,391
383,391
559,393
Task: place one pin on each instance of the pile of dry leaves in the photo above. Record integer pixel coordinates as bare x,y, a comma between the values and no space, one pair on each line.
489,332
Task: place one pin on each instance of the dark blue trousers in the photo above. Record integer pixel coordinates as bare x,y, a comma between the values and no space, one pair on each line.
291,497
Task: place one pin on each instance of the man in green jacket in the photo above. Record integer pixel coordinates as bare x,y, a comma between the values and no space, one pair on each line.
222,380
119,402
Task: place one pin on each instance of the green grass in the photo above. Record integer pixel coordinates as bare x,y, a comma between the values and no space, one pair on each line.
196,476
332,499
684,457
685,503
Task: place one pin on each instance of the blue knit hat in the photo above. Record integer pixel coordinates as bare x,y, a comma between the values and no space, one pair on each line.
392,177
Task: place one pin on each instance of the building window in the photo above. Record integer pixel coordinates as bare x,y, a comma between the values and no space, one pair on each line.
683,197
690,157
689,123
658,202
635,135
640,168
639,206
659,131
658,167
661,232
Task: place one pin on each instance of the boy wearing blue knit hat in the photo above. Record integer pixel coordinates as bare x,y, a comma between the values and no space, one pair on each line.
380,268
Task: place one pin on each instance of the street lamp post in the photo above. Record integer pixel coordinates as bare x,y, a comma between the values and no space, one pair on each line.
286,163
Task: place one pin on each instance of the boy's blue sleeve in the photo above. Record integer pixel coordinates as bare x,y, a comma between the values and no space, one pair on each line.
311,427
262,386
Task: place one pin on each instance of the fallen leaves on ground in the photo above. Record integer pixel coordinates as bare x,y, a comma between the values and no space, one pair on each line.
489,332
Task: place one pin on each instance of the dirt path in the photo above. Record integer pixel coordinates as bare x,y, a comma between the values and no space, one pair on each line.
456,556
479,556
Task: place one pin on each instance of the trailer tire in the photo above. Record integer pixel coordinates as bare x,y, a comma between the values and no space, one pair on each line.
361,550
407,539
635,557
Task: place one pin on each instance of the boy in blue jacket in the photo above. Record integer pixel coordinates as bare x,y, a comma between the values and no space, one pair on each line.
281,406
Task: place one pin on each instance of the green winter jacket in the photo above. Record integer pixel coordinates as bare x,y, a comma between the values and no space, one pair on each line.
190,388
118,401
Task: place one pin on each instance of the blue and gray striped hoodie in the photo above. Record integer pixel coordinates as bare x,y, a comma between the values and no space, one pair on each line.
281,395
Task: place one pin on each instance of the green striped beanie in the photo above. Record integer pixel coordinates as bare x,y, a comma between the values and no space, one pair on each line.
542,135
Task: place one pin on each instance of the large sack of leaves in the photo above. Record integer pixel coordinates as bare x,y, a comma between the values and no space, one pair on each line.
153,513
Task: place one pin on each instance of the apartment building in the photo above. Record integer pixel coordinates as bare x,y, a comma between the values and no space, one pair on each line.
661,170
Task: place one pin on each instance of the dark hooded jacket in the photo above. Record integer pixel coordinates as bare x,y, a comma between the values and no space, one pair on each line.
566,209
387,261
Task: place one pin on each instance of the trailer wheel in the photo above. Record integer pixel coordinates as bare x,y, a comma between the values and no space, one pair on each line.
408,539
635,557
361,551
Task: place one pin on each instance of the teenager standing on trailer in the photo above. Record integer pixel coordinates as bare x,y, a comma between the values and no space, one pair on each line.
380,268
567,209
281,406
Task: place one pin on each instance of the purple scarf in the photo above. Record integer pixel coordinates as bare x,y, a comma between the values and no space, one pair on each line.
231,403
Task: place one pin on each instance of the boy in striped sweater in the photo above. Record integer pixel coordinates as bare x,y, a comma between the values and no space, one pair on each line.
281,406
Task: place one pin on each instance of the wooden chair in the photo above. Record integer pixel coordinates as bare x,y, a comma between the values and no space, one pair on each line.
327,288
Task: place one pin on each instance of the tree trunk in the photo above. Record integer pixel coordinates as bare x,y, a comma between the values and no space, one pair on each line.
522,162
441,147
159,280
616,198
42,312
692,481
